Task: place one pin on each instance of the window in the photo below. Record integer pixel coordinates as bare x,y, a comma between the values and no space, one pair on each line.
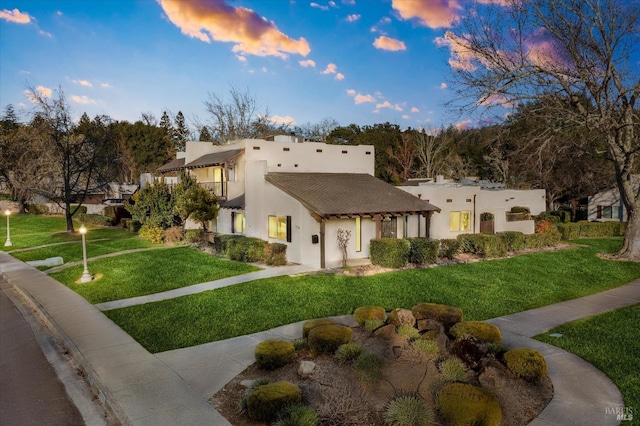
280,228
238,223
608,212
460,221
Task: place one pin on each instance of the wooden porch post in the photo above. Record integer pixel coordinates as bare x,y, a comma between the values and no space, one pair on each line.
378,219
322,255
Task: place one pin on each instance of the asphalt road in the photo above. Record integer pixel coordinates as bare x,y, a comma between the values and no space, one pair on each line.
31,389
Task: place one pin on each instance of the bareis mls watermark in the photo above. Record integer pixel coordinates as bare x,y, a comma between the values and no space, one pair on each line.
621,413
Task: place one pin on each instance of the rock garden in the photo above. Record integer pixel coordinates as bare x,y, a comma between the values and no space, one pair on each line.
418,366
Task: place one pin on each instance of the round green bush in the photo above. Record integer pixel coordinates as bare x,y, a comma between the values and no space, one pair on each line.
348,352
428,348
408,332
408,410
445,314
527,364
482,331
272,354
307,326
266,401
373,324
327,338
364,313
463,404
453,370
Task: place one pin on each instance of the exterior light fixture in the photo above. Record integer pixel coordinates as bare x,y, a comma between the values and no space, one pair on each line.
86,277
8,243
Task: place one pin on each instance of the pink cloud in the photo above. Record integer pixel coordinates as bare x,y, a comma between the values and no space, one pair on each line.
82,100
216,20
387,104
464,125
339,76
361,99
443,85
330,69
496,99
43,91
307,63
84,83
15,16
414,109
351,92
461,54
353,18
431,13
388,43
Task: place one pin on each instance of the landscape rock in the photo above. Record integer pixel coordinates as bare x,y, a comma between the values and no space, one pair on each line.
400,317
386,331
306,369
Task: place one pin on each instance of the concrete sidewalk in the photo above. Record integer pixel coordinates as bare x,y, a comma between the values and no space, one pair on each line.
172,388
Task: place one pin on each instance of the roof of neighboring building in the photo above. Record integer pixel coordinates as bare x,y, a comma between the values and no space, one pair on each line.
236,203
328,195
172,166
214,159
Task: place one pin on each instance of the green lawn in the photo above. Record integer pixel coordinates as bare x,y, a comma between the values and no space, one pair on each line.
483,290
148,272
610,342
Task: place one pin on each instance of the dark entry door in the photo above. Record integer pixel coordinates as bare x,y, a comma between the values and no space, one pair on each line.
389,227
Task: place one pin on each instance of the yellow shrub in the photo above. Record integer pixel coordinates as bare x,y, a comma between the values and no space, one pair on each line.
364,313
482,331
461,404
526,363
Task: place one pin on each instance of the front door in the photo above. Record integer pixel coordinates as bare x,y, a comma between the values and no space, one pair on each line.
389,227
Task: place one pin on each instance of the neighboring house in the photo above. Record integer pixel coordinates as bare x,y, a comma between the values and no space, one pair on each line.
608,206
94,200
464,205
300,194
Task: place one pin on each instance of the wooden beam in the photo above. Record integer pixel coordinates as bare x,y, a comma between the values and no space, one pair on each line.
322,254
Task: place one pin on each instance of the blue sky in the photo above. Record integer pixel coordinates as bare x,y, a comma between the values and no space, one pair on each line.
356,61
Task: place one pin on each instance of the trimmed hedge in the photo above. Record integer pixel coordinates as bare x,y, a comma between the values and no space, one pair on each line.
274,353
311,324
513,240
485,245
584,229
445,314
94,219
275,254
482,331
423,251
389,252
327,338
525,363
246,249
365,313
449,248
221,241
463,404
266,401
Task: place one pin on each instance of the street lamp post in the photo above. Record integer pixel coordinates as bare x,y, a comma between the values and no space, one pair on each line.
8,243
86,277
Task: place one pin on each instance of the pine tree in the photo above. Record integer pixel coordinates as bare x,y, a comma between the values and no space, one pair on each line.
165,123
205,136
181,132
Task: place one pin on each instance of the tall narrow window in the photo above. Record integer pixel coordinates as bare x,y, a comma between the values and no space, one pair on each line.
358,234
280,228
238,223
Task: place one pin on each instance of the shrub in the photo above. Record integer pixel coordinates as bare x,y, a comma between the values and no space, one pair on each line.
221,241
548,216
274,353
116,214
389,252
300,344
242,403
408,410
364,313
520,209
584,229
81,210
368,367
563,215
328,337
348,352
151,233
463,404
423,251
408,332
482,331
173,235
266,401
373,324
453,370
307,326
513,240
484,245
447,315
245,249
133,225
449,248
194,235
297,415
94,219
37,209
426,347
526,363
276,254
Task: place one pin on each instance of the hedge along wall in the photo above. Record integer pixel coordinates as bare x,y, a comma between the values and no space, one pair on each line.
585,229
389,252
485,245
423,251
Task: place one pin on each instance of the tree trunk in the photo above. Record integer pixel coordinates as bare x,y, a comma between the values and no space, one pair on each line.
67,212
22,206
631,246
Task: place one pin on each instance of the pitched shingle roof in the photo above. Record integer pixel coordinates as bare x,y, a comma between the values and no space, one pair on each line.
328,195
236,203
214,159
172,166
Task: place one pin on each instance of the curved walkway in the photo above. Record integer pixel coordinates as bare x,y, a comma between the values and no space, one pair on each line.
172,388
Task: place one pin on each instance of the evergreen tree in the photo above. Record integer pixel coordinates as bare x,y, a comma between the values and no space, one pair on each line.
205,136
181,132
165,124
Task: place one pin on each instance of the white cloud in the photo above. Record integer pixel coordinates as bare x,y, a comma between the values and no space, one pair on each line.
84,83
319,6
361,99
443,85
388,43
330,69
82,100
15,16
308,63
42,91
414,110
276,119
339,76
353,18
241,58
351,92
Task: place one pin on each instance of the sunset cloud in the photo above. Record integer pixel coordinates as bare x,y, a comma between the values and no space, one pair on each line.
388,43
339,76
308,63
464,125
432,13
15,16
359,98
387,104
84,83
252,34
414,110
461,54
330,69
82,100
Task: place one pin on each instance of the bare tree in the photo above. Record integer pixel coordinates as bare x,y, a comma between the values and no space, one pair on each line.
431,153
574,54
238,118
79,158
342,239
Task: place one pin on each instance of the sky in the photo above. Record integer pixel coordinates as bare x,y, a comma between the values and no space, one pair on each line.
354,61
